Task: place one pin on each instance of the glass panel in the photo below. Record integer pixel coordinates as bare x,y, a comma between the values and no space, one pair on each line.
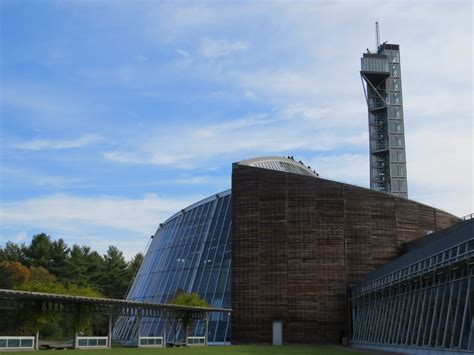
102,342
395,70
26,343
13,343
395,56
397,85
3,343
82,342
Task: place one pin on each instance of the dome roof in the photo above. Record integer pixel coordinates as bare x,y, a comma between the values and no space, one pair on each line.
288,165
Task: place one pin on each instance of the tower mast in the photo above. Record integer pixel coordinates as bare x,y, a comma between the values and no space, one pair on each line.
377,36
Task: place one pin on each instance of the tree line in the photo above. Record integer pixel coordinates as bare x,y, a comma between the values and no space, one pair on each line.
108,275
47,265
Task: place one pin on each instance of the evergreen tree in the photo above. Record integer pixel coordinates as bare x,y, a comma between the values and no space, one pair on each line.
53,256
135,264
115,275
59,259
77,272
12,252
95,267
39,251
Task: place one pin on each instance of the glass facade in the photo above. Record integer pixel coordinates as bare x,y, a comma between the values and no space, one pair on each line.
191,251
424,299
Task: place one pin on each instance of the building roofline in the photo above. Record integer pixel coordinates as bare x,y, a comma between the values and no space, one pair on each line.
298,164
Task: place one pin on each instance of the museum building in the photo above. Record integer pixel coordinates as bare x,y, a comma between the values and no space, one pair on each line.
283,245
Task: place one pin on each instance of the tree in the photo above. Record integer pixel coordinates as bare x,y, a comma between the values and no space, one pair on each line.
12,252
13,274
77,271
188,299
59,259
115,275
41,275
34,316
53,256
38,253
95,267
135,264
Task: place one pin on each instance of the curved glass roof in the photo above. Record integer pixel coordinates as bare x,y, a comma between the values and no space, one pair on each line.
288,165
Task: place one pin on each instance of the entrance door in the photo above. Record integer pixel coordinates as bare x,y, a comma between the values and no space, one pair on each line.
277,332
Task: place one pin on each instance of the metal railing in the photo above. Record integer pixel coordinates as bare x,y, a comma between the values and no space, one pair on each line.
91,342
151,342
16,343
195,341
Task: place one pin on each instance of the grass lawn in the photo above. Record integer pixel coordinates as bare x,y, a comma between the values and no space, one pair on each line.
223,350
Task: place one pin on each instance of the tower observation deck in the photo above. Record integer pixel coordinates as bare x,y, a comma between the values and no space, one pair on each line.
382,83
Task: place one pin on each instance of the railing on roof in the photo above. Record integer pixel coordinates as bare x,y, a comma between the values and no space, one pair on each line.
468,216
459,252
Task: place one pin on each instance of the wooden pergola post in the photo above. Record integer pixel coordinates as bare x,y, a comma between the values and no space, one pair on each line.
139,325
164,331
206,331
109,335
37,337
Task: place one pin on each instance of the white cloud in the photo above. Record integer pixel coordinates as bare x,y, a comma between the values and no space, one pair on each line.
20,237
215,48
348,168
78,214
440,167
36,178
183,52
277,132
140,58
47,144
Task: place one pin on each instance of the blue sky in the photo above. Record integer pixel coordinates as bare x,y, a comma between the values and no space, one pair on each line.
116,114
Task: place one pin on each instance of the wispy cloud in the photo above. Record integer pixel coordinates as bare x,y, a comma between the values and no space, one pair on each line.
95,221
182,52
215,48
348,168
275,132
49,144
73,214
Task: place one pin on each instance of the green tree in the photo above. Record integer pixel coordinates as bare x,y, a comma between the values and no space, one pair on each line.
78,265
135,264
41,275
95,267
12,252
53,256
59,259
38,253
36,317
188,299
115,276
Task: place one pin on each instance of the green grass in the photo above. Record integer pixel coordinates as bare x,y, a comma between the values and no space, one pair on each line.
223,350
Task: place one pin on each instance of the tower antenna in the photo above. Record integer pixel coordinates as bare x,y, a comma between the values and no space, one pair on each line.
377,35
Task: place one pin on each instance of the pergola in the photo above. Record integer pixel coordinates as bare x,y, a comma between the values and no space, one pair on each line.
48,302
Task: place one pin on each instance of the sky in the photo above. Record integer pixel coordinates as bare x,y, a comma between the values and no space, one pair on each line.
117,114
